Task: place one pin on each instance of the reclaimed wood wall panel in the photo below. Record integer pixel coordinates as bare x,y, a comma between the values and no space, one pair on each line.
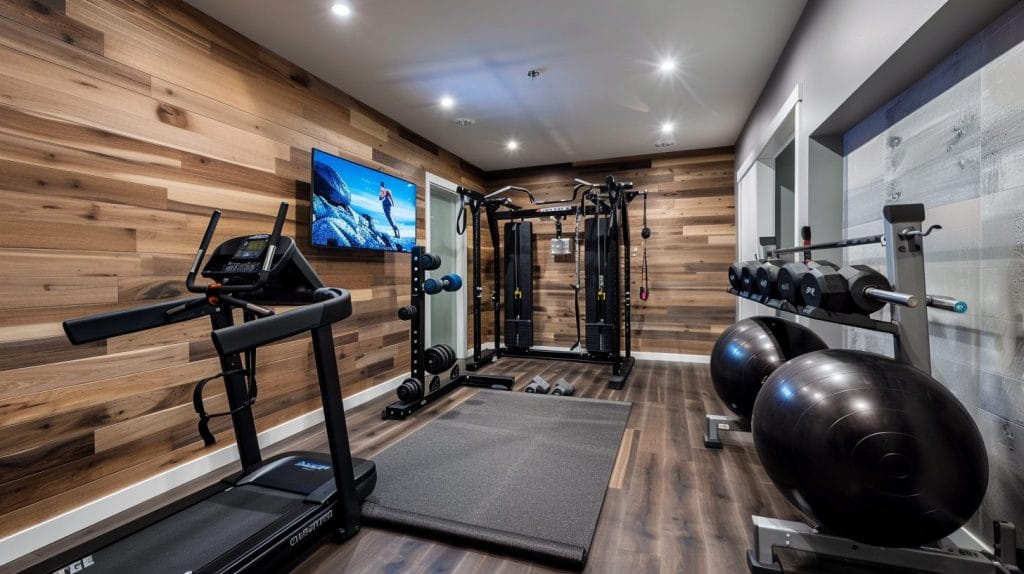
691,213
123,124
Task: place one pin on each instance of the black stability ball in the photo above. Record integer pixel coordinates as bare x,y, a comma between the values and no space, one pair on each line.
873,449
749,350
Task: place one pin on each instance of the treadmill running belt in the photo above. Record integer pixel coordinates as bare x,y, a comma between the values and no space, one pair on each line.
198,534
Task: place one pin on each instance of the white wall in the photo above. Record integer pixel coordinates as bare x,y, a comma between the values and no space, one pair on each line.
835,47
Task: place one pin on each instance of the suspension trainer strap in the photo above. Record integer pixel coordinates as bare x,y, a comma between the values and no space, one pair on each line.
645,289
576,285
460,219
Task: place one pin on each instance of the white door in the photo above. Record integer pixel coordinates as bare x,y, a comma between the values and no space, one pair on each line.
446,312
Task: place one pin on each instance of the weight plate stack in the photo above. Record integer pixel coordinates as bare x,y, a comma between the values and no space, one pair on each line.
410,390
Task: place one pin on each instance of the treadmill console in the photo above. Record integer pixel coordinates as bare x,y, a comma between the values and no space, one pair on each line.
267,271
239,260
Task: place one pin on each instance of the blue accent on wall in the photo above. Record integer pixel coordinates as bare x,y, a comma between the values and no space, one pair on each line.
1003,34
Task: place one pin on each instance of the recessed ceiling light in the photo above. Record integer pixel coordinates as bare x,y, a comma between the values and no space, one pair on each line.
343,10
667,127
512,145
447,102
667,65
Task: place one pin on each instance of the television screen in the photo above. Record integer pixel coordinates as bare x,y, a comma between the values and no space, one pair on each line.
355,206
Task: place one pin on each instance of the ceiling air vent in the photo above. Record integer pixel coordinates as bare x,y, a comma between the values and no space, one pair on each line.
664,144
464,122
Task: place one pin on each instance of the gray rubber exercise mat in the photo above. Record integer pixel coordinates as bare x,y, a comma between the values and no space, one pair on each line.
515,472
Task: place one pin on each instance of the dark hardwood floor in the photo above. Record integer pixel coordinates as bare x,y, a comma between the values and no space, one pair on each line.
672,505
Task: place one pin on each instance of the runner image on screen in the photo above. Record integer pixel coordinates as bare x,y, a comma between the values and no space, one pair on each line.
387,200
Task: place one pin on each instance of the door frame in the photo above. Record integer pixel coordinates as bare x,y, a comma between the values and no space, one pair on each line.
755,179
434,181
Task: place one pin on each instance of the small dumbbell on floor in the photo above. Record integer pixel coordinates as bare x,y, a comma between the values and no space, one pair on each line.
563,388
538,385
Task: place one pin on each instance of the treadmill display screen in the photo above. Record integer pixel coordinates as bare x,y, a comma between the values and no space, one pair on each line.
252,248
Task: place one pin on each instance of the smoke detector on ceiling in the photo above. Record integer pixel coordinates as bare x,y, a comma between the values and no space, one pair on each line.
664,144
464,122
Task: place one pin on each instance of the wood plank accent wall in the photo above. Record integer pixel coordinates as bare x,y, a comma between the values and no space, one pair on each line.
122,125
691,212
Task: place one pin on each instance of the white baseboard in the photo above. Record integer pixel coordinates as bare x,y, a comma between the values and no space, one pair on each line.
53,529
643,355
672,357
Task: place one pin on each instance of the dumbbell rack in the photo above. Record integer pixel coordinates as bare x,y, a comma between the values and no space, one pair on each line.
909,325
904,252
417,369
959,553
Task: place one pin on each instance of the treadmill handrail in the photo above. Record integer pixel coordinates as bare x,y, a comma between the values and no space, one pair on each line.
246,336
197,261
125,321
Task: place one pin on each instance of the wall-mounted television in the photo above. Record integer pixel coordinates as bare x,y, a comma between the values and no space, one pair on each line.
354,206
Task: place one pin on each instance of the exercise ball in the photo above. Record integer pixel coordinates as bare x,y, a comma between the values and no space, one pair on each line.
749,350
873,449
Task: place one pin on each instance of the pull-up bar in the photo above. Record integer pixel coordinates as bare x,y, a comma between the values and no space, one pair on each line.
533,200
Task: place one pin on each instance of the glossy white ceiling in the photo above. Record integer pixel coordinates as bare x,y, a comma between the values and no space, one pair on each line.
599,93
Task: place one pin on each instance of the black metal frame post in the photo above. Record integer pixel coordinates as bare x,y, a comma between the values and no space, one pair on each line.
624,362
337,431
492,225
237,392
614,200
627,277
475,201
418,328
478,291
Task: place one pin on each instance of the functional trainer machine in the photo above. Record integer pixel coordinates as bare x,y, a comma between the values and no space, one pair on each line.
903,239
268,516
416,391
607,321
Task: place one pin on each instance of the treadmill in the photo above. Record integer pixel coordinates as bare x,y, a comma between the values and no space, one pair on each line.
270,515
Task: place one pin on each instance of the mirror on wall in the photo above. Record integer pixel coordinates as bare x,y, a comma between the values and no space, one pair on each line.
785,196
